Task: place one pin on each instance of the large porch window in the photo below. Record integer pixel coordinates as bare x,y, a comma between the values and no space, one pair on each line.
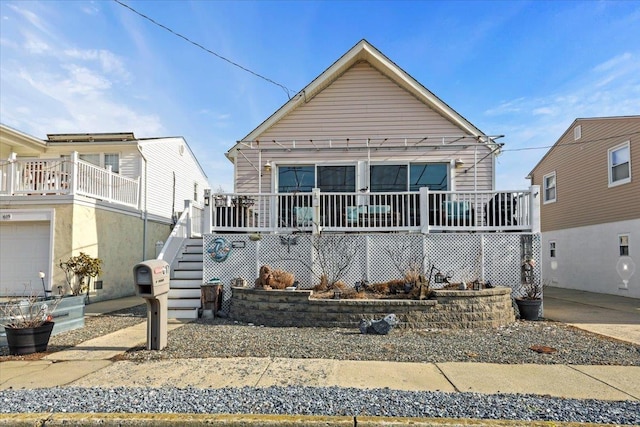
394,178
337,179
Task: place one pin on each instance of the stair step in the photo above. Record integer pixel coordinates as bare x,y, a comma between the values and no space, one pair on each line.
184,303
187,274
182,313
191,257
189,265
184,293
186,283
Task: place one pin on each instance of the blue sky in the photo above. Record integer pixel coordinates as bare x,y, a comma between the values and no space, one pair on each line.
525,70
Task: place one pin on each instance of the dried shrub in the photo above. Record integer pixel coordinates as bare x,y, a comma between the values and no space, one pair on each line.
380,288
265,278
323,286
340,286
281,279
396,286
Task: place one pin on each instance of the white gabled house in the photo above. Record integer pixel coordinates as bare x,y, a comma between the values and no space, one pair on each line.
110,195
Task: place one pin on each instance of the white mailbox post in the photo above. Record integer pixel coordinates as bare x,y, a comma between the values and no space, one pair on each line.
152,283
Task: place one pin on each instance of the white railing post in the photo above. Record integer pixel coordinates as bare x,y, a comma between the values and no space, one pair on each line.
315,202
206,218
424,210
73,173
188,210
534,204
109,183
11,174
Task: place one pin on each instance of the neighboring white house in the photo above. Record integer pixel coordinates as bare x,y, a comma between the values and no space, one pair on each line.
110,195
590,207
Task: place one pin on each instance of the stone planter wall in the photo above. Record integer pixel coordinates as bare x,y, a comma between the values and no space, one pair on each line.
446,309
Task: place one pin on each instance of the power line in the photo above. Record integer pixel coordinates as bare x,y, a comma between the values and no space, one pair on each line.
579,142
283,87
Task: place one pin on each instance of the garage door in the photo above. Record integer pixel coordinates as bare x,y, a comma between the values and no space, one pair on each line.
24,252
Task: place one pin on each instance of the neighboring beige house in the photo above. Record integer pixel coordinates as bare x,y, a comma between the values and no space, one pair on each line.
112,196
366,155
590,207
367,139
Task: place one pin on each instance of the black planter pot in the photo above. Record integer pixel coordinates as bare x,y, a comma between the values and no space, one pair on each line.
28,340
529,308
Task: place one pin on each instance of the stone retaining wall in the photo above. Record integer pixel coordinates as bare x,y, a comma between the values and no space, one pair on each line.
446,310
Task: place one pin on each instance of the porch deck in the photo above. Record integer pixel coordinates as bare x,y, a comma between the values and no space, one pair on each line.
417,211
59,176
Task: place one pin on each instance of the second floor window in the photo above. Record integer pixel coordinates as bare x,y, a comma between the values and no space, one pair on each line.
549,182
103,160
619,164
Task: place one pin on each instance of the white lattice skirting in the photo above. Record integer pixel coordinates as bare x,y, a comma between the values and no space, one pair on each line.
494,257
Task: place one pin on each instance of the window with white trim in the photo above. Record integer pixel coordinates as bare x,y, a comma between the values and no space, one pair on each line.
552,249
620,164
195,191
549,185
623,244
577,132
113,160
103,160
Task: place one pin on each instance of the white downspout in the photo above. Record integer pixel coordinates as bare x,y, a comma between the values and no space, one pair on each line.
145,213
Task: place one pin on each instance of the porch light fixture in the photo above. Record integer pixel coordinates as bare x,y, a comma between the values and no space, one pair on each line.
207,196
44,288
459,163
267,166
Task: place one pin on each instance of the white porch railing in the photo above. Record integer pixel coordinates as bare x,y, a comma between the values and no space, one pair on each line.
35,176
189,225
419,211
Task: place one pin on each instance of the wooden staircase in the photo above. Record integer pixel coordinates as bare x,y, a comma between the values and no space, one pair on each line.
186,280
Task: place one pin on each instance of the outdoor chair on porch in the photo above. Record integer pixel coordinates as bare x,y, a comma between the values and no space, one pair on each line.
457,213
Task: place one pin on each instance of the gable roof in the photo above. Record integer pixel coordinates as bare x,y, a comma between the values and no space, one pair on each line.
362,51
571,126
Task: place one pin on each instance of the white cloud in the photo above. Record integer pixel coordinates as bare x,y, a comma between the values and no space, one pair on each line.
109,62
613,62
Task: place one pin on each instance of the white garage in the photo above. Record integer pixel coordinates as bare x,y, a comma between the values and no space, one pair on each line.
25,250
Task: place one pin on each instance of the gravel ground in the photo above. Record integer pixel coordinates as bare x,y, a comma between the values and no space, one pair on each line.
320,401
510,344
225,338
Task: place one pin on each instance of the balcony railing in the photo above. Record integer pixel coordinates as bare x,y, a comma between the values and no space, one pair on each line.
35,176
419,211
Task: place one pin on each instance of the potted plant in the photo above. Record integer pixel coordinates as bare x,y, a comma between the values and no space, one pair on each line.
529,304
28,323
78,272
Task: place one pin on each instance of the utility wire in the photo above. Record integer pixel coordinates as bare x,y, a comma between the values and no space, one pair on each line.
283,87
587,141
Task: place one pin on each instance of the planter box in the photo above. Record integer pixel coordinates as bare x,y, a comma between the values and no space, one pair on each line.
69,315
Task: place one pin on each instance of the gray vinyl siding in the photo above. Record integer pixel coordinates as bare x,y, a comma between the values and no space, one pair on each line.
360,105
583,194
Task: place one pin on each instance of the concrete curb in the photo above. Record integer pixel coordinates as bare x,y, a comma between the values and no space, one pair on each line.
215,420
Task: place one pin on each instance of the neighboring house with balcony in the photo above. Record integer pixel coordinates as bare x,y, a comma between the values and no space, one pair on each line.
368,153
110,195
590,207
